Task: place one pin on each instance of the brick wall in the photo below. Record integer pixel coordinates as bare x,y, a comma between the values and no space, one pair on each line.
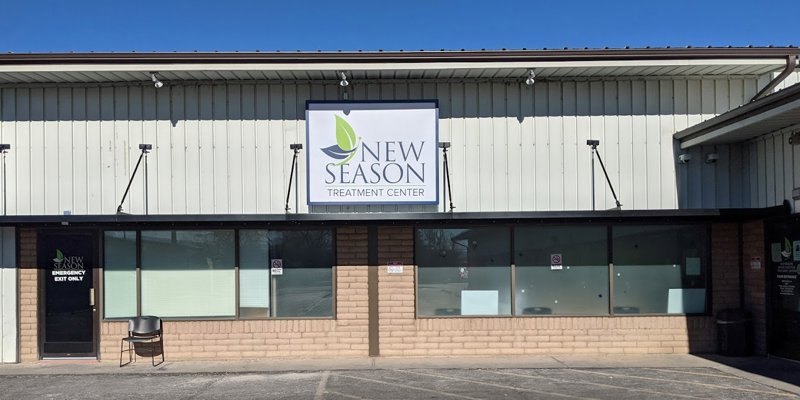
403,335
755,282
28,296
725,261
346,336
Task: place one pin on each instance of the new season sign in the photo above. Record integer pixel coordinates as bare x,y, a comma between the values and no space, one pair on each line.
372,152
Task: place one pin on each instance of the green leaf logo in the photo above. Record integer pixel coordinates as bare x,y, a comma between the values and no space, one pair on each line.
59,254
346,142
345,135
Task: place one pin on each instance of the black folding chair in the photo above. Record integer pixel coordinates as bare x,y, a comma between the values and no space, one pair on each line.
143,332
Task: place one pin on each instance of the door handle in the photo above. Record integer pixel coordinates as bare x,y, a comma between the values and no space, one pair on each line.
91,297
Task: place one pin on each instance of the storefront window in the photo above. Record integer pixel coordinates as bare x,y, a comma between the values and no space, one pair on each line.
660,269
119,278
306,287
464,271
561,270
254,278
188,273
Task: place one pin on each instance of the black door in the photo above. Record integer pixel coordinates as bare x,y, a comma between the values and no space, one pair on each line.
68,261
783,259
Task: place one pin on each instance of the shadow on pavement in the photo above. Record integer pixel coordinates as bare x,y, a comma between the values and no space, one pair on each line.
780,369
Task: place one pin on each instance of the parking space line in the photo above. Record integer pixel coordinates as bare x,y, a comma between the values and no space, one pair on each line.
321,387
406,386
497,385
595,384
783,394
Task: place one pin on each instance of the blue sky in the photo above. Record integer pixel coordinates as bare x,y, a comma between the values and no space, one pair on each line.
228,25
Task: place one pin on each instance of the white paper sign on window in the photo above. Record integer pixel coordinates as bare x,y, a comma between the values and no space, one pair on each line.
372,152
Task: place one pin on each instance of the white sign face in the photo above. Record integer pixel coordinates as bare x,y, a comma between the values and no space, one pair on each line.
276,266
394,268
372,153
556,262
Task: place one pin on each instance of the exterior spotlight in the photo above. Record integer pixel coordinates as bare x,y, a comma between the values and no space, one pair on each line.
5,147
343,80
684,158
145,147
444,145
712,158
531,78
157,83
296,146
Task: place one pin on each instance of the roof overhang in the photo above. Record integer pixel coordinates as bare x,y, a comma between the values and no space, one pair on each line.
442,65
776,112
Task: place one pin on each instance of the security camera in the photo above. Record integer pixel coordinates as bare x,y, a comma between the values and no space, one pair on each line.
712,158
684,158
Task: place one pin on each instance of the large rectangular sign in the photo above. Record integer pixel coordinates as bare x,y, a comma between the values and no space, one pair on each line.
372,152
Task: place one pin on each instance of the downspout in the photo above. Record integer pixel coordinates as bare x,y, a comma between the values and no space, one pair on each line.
791,63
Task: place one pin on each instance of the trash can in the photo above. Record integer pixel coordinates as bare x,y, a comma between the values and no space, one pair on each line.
734,333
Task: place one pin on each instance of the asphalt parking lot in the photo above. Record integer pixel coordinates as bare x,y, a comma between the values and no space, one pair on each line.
400,383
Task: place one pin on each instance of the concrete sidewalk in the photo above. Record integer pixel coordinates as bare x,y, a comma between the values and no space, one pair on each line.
778,373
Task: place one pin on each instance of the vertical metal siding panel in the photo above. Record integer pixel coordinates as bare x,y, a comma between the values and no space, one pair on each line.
761,154
499,147
262,141
555,148
303,94
178,150
80,189
695,167
754,181
542,152
624,181
122,168
527,163
722,178
441,91
65,150
610,145
669,193
769,171
50,189
136,135
290,134
583,159
8,126
22,189
235,150
776,169
570,147
735,169
107,139
37,154
653,146
8,296
221,172
150,136
193,150
472,165
514,149
795,166
458,148
750,89
94,163
640,130
276,149
708,171
485,148
207,185
249,150
789,169
681,120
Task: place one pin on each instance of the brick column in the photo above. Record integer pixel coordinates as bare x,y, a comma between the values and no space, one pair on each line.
755,293
28,296
396,306
725,266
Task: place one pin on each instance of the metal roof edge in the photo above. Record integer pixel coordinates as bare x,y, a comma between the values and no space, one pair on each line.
743,112
401,56
411,217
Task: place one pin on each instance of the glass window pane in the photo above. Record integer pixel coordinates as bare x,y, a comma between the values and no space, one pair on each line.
580,287
119,274
254,278
659,269
306,287
464,271
188,273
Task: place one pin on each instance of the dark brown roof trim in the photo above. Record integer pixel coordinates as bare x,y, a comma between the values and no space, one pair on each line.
402,56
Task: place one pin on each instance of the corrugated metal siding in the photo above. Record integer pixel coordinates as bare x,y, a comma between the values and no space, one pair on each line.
773,169
8,296
224,148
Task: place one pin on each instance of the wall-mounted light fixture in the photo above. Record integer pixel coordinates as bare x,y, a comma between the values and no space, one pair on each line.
531,79
156,82
145,148
343,80
711,158
794,140
684,158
